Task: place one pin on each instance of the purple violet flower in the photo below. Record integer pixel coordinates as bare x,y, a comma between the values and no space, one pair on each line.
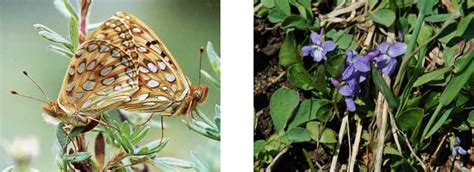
386,60
457,149
319,47
355,72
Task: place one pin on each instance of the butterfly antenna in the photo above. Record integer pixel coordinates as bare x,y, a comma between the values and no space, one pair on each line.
37,85
201,51
28,97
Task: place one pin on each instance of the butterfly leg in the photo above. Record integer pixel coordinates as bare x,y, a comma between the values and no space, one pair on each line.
162,129
149,118
102,122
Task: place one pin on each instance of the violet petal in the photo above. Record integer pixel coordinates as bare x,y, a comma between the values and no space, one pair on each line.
348,72
315,38
345,91
383,47
306,50
350,104
397,49
328,45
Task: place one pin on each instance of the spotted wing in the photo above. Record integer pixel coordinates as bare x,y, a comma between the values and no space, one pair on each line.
100,76
118,33
159,83
163,85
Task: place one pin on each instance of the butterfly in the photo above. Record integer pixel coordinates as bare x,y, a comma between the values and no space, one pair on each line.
162,85
99,77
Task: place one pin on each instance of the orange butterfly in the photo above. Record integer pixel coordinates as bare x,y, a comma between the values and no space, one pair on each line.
99,77
163,87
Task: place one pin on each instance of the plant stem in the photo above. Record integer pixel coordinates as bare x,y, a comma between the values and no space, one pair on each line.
338,144
355,147
85,4
381,135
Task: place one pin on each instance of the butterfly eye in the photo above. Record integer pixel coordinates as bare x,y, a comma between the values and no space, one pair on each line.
197,94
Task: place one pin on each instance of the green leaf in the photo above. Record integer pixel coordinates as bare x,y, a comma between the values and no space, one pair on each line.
328,136
56,38
288,52
345,41
410,118
427,77
294,21
282,104
425,34
385,17
65,8
382,86
449,55
77,157
214,59
258,146
152,147
74,32
276,15
439,122
304,7
268,3
284,6
138,136
296,135
169,161
455,85
307,111
320,82
425,6
464,25
388,150
438,17
200,165
470,119
61,51
298,75
212,80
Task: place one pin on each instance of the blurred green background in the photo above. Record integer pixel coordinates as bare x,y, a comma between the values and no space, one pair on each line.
183,25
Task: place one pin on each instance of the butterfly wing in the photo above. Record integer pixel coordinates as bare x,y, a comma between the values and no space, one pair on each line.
118,33
163,85
100,76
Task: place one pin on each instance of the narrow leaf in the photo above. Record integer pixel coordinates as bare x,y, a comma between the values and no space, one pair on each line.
425,78
74,32
382,86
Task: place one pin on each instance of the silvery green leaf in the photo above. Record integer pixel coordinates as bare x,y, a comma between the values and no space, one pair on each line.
41,27
65,8
217,118
77,157
54,37
61,51
139,135
213,58
152,147
173,162
204,117
74,32
213,80
200,165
